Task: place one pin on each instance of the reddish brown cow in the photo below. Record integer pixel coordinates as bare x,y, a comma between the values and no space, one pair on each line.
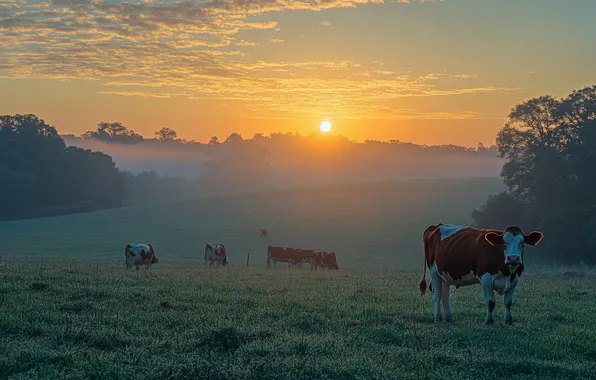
462,256
264,232
292,256
329,260
275,254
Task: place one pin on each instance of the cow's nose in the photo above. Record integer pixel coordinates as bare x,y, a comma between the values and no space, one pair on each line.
512,260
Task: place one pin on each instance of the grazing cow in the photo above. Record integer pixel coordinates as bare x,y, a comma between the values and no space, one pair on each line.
264,233
215,253
462,256
136,255
275,254
329,261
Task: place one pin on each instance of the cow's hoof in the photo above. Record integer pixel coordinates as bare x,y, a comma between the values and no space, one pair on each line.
438,319
490,322
449,319
509,320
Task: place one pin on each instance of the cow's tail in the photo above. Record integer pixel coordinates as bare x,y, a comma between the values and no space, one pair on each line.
425,243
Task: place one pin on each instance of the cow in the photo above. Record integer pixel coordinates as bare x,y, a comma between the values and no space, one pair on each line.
264,233
462,256
275,254
215,253
137,255
329,260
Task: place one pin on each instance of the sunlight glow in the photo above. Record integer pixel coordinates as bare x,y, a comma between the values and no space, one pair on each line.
325,126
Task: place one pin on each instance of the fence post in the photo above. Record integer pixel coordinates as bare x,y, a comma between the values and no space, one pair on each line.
247,258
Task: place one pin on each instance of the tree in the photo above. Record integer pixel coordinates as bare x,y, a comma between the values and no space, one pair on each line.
39,173
234,138
113,132
166,134
214,140
550,149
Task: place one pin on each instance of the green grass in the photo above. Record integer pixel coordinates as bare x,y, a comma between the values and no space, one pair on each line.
96,320
373,225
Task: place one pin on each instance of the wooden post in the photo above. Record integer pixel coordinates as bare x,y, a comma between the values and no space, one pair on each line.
247,258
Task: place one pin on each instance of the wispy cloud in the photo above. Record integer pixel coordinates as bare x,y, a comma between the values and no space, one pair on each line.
191,49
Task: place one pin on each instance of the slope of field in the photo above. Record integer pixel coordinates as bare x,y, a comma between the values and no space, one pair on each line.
84,320
375,224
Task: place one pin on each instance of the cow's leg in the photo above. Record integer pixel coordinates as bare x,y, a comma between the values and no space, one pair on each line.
438,282
489,297
445,297
508,299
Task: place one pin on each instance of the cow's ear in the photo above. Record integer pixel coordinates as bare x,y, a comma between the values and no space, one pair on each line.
493,238
533,238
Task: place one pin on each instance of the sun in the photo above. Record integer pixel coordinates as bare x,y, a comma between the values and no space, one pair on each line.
325,127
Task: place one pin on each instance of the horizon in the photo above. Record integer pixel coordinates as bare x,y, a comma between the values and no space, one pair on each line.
443,72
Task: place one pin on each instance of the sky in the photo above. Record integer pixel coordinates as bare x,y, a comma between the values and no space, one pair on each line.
428,72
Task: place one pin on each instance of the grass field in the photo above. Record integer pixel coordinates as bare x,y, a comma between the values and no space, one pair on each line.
373,225
97,321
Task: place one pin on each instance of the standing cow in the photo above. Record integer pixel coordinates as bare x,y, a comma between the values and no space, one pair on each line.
137,255
215,253
462,256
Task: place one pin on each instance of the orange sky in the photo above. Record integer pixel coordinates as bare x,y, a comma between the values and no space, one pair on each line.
430,72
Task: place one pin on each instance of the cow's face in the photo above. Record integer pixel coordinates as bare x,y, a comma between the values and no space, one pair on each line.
513,240
154,260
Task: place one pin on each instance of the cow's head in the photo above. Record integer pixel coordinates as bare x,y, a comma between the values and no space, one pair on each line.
513,240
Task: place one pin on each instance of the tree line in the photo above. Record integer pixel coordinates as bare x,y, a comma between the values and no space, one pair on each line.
549,145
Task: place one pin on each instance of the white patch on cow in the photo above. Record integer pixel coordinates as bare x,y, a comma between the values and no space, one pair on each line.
448,230
501,283
468,279
514,246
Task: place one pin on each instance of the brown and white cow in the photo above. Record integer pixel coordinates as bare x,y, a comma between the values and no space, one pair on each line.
279,254
137,255
215,253
462,256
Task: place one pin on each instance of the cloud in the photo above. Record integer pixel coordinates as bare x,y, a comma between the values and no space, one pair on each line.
187,48
245,43
464,76
325,23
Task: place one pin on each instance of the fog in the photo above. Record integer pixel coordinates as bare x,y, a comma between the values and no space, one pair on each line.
289,160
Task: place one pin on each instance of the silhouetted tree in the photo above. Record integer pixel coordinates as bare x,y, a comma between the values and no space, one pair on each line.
166,134
38,171
550,148
214,140
113,132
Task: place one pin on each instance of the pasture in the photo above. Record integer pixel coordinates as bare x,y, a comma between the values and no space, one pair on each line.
95,320
69,309
368,225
